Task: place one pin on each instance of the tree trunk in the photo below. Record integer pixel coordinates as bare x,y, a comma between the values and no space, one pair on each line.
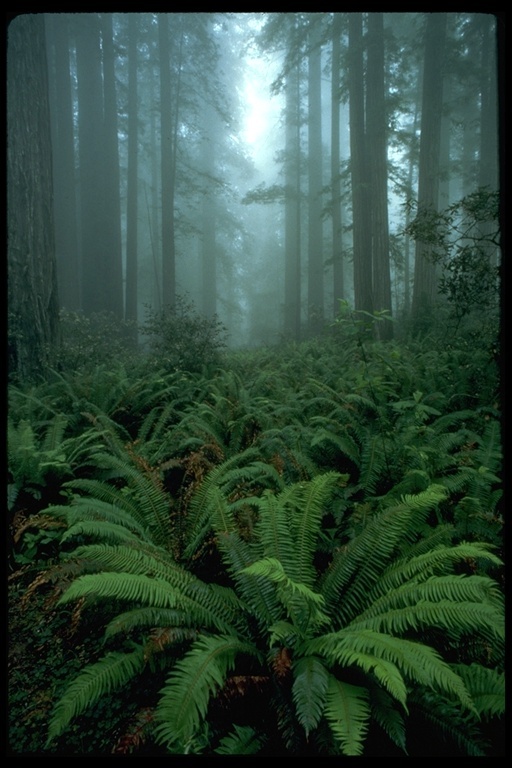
167,156
292,290
358,164
91,159
131,312
112,203
337,257
315,234
32,271
64,177
425,281
377,134
209,246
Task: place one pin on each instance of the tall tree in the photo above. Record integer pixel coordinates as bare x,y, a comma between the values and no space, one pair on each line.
95,278
363,299
315,233
131,299
425,280
292,274
377,136
64,176
169,116
208,240
32,271
337,256
111,230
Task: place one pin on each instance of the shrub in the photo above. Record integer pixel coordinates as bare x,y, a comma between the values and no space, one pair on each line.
180,338
92,340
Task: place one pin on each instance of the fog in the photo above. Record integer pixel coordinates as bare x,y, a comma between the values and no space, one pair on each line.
220,157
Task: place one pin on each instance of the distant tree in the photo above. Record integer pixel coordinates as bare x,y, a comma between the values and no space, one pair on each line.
377,143
111,203
208,241
98,168
292,274
64,176
488,154
131,295
33,329
425,280
361,233
337,257
169,116
315,233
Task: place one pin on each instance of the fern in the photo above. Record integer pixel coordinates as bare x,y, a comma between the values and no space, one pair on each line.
347,710
311,681
105,676
200,674
242,741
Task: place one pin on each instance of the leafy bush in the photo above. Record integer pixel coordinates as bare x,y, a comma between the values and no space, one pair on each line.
180,338
92,340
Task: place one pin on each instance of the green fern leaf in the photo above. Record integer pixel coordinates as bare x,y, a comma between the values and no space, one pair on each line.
242,741
193,681
105,676
309,691
347,710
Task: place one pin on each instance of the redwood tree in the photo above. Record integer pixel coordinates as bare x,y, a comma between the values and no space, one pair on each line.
32,272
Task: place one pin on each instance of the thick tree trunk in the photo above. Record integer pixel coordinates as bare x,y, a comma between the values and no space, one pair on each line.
315,233
64,177
167,157
377,135
425,279
209,246
131,203
337,257
112,201
363,299
292,280
32,273
91,158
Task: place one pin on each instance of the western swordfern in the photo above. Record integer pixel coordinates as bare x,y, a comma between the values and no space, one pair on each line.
392,625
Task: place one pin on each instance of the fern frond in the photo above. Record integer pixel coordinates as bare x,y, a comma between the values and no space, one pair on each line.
243,740
347,711
108,532
357,567
309,691
309,501
455,617
437,560
486,686
105,676
148,617
193,681
418,663
387,716
299,600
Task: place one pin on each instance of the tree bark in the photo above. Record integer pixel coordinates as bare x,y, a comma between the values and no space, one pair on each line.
315,233
425,279
64,177
32,271
377,136
292,288
363,299
112,201
131,299
337,256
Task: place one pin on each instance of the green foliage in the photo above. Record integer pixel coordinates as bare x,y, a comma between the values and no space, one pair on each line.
294,555
465,240
182,339
92,340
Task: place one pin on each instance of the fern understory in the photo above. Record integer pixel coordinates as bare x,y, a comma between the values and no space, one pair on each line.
298,552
